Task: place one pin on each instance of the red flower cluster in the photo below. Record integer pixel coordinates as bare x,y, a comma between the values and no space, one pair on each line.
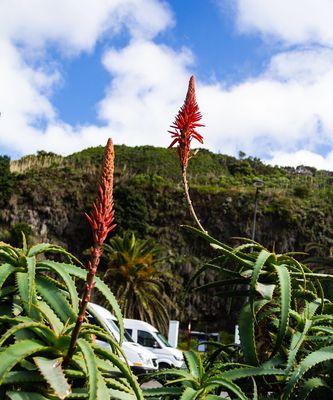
101,217
185,125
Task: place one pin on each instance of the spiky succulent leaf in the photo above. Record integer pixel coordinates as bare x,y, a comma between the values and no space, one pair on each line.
26,396
105,291
190,394
55,299
91,366
54,375
194,364
60,270
17,352
247,330
122,367
285,300
5,271
314,358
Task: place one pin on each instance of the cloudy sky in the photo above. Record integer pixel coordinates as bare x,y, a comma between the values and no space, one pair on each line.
74,72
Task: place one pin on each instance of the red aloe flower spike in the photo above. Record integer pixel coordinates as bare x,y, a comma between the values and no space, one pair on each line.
186,122
101,220
184,130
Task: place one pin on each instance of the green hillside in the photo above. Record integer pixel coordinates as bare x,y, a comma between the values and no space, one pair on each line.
48,194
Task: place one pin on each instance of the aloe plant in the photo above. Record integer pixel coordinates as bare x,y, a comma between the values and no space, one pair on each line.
286,322
38,309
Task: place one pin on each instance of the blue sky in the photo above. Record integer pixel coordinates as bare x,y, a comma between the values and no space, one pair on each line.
74,72
220,53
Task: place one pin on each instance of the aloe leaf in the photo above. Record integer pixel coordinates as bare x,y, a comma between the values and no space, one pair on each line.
312,384
78,394
202,269
17,377
103,392
255,389
324,329
24,325
91,365
296,343
25,396
122,367
247,330
5,271
54,375
194,364
245,372
50,316
106,337
265,290
51,248
258,265
242,259
183,373
229,386
24,243
189,394
116,384
285,299
55,299
60,269
163,391
314,358
105,291
26,287
17,352
223,282
10,258
119,395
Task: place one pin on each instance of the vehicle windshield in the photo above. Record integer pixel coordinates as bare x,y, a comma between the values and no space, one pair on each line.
115,328
163,339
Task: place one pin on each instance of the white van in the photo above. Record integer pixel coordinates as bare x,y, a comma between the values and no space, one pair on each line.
149,337
140,359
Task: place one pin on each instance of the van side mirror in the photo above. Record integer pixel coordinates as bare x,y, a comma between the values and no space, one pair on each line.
156,345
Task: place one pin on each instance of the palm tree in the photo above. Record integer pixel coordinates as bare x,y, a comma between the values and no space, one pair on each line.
138,283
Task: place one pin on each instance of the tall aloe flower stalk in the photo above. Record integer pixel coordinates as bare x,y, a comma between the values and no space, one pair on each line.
184,131
101,220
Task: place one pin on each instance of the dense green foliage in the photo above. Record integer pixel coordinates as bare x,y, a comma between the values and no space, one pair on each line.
286,327
6,180
38,309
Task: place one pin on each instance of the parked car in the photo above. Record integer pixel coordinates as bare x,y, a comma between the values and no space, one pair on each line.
149,337
139,358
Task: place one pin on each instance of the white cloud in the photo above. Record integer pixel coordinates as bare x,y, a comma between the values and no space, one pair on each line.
149,82
292,21
303,157
76,25
275,110
28,119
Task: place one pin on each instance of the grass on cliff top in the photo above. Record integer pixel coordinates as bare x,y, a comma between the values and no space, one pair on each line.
208,172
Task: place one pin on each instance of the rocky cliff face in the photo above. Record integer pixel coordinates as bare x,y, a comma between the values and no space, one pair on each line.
52,199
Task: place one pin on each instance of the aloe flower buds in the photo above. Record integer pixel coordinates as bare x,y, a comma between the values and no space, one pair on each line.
102,215
186,122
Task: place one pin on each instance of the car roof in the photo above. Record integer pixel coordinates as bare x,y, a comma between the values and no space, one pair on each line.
103,312
130,323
